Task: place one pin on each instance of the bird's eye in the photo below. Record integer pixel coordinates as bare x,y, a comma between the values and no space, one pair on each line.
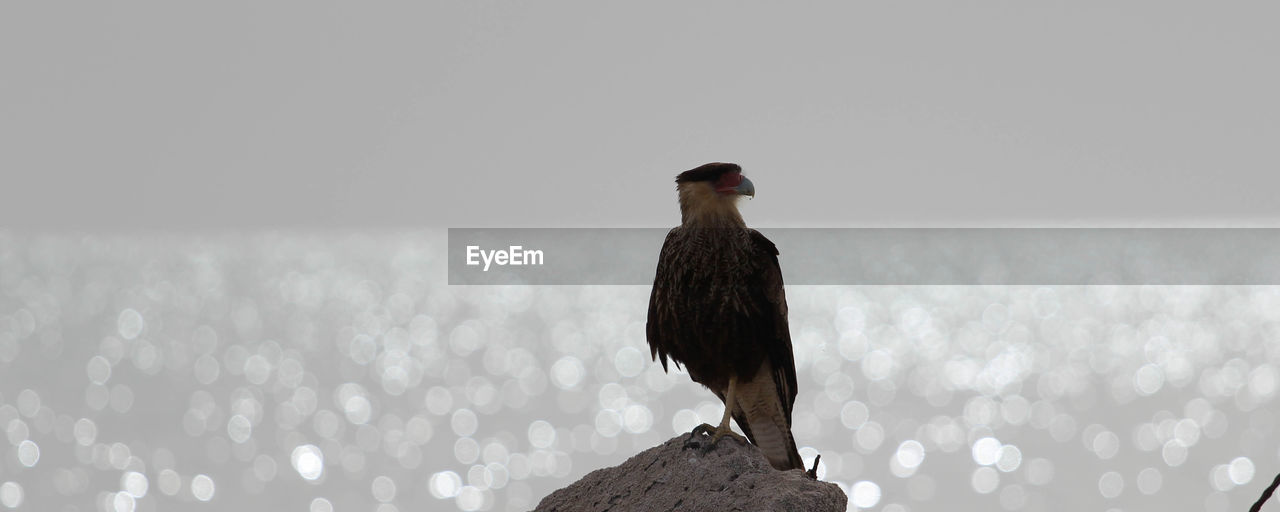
729,179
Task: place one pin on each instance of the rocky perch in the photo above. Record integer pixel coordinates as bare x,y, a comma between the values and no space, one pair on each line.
680,477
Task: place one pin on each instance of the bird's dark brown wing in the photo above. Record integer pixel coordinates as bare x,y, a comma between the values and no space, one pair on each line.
718,308
776,337
660,322
766,401
703,307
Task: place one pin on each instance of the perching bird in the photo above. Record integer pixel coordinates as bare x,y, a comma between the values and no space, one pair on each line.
718,308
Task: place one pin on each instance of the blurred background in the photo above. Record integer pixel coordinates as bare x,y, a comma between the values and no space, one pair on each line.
338,371
222,275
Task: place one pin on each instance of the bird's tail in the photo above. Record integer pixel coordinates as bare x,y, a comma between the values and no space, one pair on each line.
760,414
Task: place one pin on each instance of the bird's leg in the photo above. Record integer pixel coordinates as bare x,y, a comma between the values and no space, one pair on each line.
723,430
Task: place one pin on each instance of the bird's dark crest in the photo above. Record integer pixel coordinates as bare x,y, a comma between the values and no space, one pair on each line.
707,172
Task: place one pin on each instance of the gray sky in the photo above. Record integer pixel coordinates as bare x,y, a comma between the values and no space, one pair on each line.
433,114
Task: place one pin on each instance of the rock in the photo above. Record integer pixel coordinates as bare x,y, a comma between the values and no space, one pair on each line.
673,476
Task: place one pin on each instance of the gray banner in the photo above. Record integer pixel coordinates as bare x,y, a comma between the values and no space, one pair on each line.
889,256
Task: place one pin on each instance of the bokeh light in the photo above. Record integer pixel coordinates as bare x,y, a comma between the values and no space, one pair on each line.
308,461
202,487
347,361
11,494
864,494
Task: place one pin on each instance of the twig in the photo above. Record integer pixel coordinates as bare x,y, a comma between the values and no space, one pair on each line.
1266,494
813,473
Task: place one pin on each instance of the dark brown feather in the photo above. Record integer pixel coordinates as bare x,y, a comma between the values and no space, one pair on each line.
718,308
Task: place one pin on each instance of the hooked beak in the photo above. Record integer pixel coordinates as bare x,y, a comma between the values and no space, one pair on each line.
746,188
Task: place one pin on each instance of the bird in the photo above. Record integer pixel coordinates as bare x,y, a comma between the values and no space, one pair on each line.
718,309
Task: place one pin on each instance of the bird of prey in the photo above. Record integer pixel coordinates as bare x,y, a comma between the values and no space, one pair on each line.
718,308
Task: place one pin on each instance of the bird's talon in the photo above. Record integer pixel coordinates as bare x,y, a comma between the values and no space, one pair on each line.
704,437
730,434
703,429
697,438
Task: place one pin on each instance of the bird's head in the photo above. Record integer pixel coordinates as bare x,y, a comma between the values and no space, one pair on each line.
709,193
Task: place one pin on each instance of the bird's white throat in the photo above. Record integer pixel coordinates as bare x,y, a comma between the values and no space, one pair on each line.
702,206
